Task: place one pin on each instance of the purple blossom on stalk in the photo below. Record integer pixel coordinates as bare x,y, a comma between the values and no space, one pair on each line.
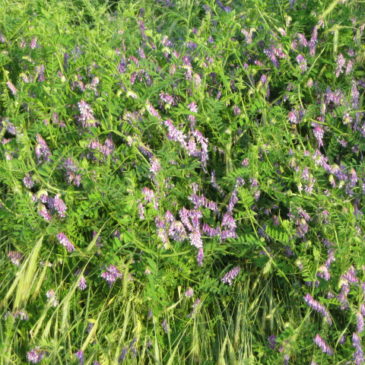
350,275
318,307
355,95
195,239
360,322
155,165
324,273
202,201
80,356
42,150
165,326
193,107
302,40
40,71
82,283
302,62
11,87
293,117
65,242
321,343
336,97
340,64
231,275
359,354
211,232
189,292
200,256
318,133
349,67
166,98
342,297
362,307
28,182
302,227
248,35
174,134
45,214
35,356
236,110
86,117
313,41
111,274
272,341
59,206
15,257
33,43
152,111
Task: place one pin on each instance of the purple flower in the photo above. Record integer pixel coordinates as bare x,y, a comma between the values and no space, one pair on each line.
340,64
59,206
15,257
231,275
28,182
189,292
33,43
193,107
86,117
65,242
321,343
302,62
272,341
82,283
80,355
35,356
11,87
45,214
165,326
200,256
195,239
360,322
40,71
350,275
359,354
42,150
318,307
177,231
155,165
111,274
318,133
153,111
166,98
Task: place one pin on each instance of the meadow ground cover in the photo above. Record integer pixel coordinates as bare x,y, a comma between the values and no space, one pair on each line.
182,182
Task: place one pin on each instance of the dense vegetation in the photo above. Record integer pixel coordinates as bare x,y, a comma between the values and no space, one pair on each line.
182,182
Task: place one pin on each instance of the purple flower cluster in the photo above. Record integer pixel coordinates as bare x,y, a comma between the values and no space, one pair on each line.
86,117
323,271
359,353
28,182
72,175
111,274
42,150
106,149
321,343
318,307
65,242
231,275
15,257
302,62
189,143
35,356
